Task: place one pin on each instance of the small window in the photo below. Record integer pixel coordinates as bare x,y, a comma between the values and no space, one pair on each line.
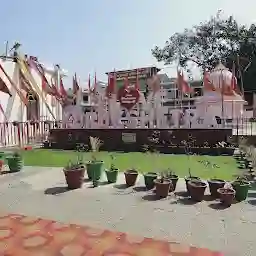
85,98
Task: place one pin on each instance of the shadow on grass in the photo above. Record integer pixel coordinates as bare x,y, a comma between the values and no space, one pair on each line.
55,190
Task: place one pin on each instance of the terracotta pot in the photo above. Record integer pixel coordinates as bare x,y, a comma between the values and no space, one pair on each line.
1,164
174,179
74,177
197,189
162,188
130,177
214,185
189,178
226,195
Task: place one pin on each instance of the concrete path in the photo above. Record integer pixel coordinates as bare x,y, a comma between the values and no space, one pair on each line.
41,192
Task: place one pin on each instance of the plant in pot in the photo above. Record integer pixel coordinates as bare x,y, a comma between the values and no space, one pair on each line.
241,186
214,183
112,173
130,177
226,194
74,174
94,166
162,186
197,189
170,175
187,147
15,162
149,178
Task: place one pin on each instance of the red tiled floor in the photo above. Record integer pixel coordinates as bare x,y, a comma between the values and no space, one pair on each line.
22,235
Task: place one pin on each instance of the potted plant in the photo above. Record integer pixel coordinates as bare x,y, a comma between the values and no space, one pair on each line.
189,178
94,166
149,180
197,189
241,186
15,162
162,186
74,174
187,147
130,177
226,194
173,178
149,177
214,185
112,173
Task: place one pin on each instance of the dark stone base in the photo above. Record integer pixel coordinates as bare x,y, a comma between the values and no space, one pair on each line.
134,140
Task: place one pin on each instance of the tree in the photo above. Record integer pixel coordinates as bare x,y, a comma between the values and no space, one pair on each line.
219,39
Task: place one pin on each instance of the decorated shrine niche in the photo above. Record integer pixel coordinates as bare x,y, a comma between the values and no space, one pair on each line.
33,108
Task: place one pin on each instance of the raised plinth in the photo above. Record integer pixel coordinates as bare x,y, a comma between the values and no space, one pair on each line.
134,139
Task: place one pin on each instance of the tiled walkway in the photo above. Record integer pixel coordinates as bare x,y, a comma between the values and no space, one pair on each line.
21,235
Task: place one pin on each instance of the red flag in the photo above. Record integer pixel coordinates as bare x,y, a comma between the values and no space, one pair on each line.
111,87
183,85
75,85
137,85
4,88
208,86
46,87
63,92
54,91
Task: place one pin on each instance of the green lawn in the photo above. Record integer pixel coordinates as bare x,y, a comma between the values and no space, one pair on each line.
225,167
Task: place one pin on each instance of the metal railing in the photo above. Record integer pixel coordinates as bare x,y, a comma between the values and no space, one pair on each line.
20,134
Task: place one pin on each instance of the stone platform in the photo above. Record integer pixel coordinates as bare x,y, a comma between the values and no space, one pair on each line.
40,192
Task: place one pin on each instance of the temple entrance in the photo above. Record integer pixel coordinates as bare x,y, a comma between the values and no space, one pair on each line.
33,110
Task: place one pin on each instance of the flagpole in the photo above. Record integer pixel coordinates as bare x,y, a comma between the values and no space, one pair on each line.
222,99
240,74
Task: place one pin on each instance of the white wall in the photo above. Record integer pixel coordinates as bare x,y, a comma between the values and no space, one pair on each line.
13,107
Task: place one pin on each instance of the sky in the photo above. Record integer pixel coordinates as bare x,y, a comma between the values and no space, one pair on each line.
102,35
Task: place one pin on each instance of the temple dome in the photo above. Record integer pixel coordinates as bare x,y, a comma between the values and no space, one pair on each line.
220,76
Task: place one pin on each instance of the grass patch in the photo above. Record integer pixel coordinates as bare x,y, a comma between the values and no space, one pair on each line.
225,166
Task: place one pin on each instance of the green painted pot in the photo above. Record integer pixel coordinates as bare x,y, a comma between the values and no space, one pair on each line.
15,163
241,189
112,175
149,180
2,155
94,170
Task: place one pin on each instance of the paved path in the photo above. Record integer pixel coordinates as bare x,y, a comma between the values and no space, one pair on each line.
41,192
